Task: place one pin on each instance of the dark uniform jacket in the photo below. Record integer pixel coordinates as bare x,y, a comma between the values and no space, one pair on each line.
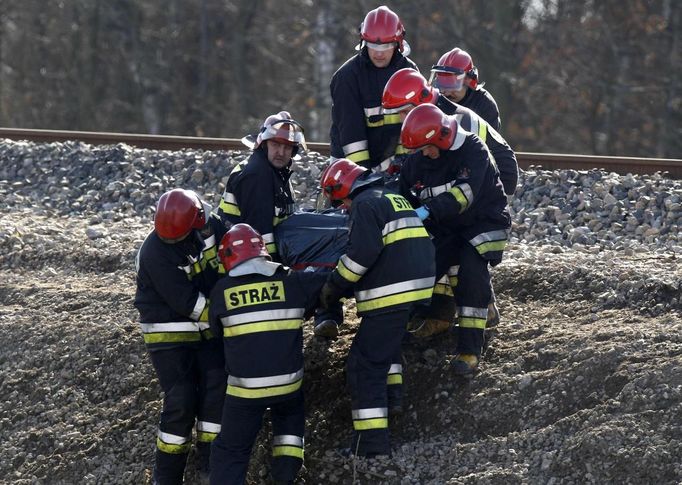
463,193
504,156
258,194
483,104
173,283
390,258
260,319
362,130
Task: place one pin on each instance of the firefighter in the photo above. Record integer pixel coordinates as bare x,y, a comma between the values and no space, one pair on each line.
258,191
457,79
361,130
177,266
455,185
259,308
390,265
407,89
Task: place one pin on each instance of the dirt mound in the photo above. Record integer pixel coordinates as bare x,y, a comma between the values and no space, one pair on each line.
582,382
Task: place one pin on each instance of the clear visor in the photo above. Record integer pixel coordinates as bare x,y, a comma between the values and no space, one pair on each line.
287,131
447,81
381,47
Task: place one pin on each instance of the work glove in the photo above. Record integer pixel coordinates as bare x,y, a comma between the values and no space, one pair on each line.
422,212
330,294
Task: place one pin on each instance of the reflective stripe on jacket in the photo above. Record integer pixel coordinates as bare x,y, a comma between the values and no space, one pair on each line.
390,258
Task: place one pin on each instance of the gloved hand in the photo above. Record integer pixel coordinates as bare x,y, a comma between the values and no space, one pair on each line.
329,294
422,212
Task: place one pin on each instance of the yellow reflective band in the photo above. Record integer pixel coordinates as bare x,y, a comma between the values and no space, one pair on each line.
482,130
459,197
407,233
205,436
346,273
394,379
294,451
399,203
392,119
254,294
374,124
491,246
401,150
470,322
204,315
376,423
443,289
171,337
172,449
391,300
228,208
361,156
271,247
263,391
278,220
270,326
207,334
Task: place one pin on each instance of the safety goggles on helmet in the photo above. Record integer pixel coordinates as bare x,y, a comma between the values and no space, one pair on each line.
447,78
381,46
285,131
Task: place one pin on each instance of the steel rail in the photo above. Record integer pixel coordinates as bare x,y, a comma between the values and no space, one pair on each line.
548,161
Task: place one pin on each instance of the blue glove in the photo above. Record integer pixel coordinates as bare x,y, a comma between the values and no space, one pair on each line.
422,212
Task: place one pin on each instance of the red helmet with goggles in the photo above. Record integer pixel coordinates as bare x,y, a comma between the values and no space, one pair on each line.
338,178
428,125
453,70
407,88
178,212
383,30
241,243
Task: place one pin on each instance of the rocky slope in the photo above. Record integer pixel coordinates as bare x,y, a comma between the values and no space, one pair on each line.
581,384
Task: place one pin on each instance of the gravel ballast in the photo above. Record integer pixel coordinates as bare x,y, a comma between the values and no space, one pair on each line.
582,382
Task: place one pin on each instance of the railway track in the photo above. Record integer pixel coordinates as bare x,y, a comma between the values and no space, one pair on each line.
549,161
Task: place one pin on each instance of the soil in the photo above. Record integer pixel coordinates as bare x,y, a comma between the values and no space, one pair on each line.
582,382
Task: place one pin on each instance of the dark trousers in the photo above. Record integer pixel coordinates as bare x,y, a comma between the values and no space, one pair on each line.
375,346
472,294
230,452
334,312
193,381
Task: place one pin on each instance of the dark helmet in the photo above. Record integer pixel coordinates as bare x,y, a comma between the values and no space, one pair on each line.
241,243
280,127
177,213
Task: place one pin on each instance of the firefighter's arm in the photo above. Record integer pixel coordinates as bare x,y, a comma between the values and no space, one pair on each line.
406,180
449,207
256,197
215,310
364,246
505,158
349,117
177,290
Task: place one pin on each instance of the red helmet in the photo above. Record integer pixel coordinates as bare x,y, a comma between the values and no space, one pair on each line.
383,26
177,213
428,125
405,88
454,69
338,178
241,243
